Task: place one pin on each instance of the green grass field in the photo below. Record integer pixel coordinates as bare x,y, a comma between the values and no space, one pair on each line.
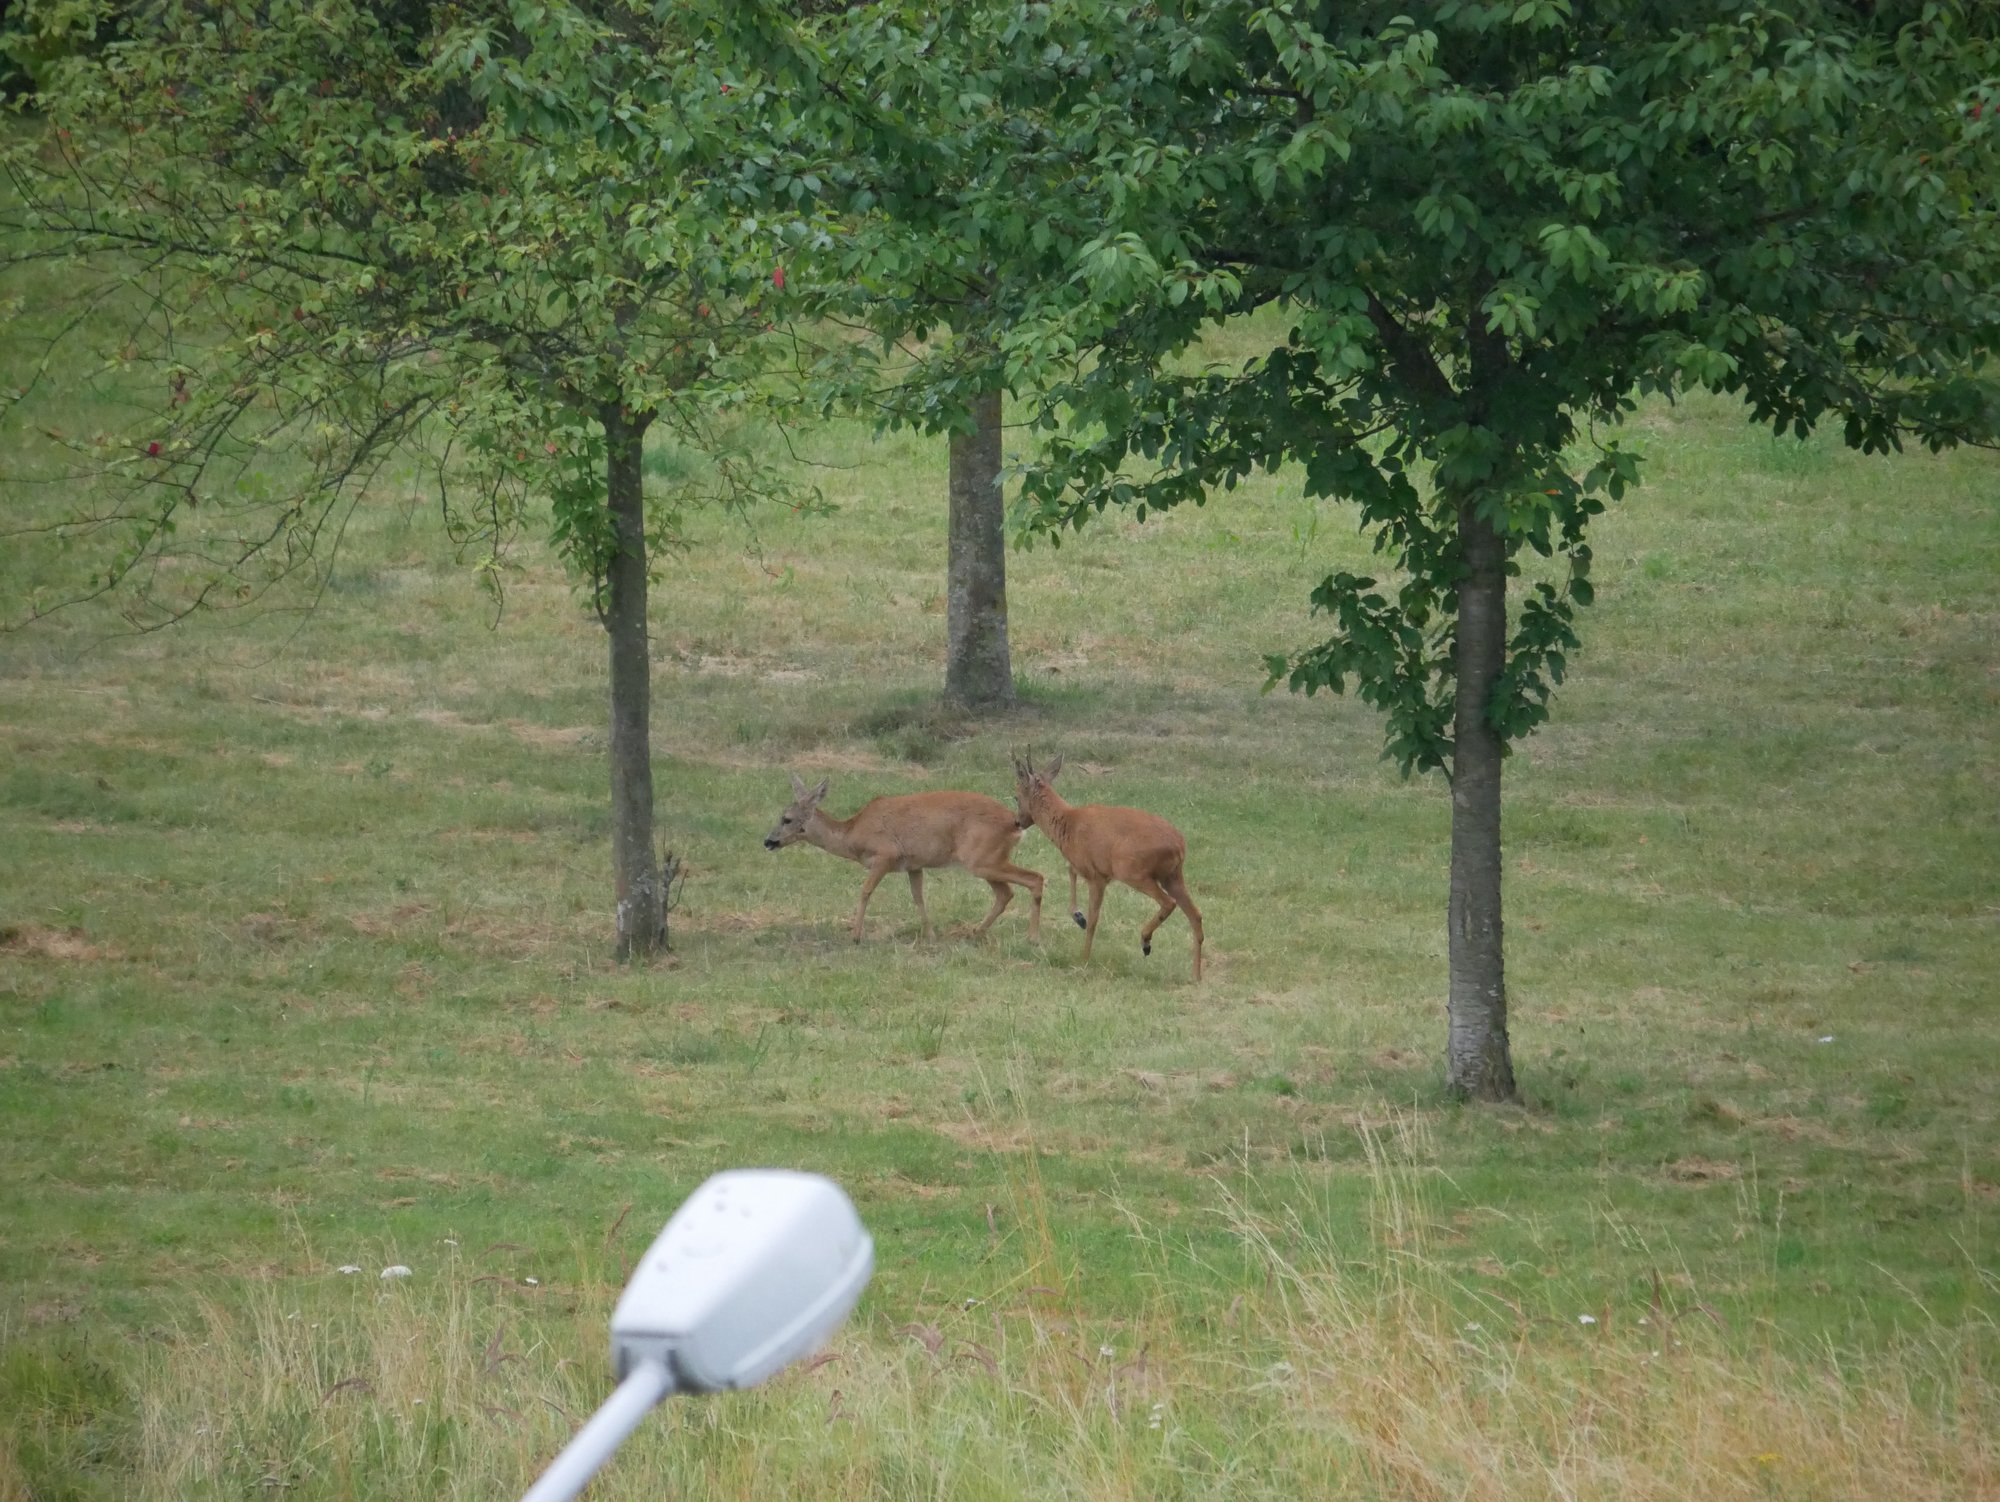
304,943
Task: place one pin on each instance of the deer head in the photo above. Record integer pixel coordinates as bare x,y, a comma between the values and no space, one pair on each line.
1031,786
791,825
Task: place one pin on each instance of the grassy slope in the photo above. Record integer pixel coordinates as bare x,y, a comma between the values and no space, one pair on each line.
306,932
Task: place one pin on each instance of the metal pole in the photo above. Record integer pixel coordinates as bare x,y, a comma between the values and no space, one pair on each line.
620,1414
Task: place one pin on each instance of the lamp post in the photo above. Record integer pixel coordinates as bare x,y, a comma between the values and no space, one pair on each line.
754,1271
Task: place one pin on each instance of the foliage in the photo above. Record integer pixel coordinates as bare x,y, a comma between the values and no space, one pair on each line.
321,233
952,223
1489,227
35,38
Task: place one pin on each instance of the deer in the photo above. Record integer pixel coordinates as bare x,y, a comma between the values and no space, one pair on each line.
1105,843
917,832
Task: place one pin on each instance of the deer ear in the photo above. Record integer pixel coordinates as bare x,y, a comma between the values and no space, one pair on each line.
1054,766
798,786
818,792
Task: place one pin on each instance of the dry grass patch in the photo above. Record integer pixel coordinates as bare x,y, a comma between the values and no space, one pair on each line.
1698,1170
552,737
38,941
397,920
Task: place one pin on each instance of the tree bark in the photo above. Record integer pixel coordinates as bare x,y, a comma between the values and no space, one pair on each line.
642,916
1479,1065
977,668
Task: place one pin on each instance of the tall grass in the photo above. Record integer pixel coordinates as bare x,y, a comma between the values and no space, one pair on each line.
1336,1360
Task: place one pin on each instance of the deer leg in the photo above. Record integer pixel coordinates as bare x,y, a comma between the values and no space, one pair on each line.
1032,880
917,896
868,885
1003,878
1075,911
1090,928
1177,886
1002,895
1158,893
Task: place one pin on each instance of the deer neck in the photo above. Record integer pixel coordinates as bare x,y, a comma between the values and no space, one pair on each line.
834,836
1053,817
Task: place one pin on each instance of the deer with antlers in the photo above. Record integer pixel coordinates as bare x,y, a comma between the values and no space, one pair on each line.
1104,843
917,832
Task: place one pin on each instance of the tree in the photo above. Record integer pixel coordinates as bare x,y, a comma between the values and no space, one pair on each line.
951,381
944,243
915,268
1488,229
978,667
514,238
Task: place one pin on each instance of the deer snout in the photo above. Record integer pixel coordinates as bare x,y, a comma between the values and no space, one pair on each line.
771,842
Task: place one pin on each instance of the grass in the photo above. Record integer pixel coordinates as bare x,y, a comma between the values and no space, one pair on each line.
1335,1368
303,964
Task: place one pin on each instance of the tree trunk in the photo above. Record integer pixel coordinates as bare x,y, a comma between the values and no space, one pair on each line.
977,670
642,915
1478,1065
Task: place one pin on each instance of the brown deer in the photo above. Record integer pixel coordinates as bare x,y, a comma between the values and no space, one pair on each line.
917,832
1104,843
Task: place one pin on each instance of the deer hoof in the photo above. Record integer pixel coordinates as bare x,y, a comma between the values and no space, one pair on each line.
1079,920
1145,946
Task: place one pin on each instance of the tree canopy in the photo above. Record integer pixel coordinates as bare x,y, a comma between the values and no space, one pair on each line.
337,228
1488,228
509,237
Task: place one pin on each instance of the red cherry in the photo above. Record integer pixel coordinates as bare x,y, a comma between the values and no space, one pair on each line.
778,278
153,449
551,447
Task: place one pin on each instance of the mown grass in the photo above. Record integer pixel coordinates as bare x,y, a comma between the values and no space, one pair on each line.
305,964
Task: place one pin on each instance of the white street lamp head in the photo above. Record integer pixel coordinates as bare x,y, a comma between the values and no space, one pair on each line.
756,1270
